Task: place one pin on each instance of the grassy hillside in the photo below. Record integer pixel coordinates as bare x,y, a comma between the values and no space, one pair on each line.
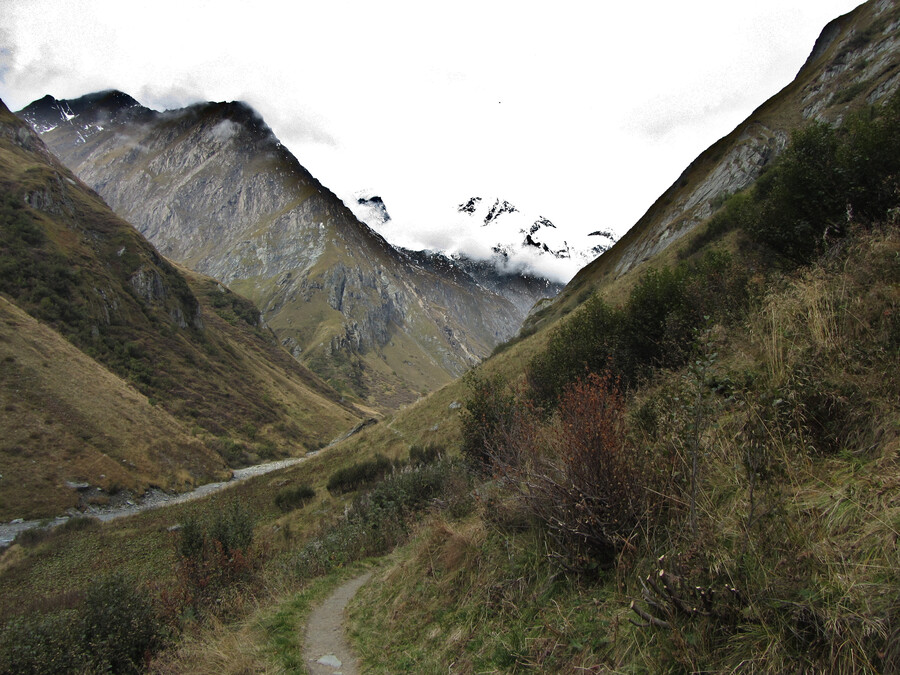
68,421
187,347
775,549
719,493
695,468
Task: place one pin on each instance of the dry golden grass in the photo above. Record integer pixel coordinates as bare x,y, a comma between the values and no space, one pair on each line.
809,538
66,418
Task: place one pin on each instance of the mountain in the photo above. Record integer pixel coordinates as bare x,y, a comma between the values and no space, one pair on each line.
370,209
521,289
212,188
529,240
503,272
118,369
515,241
855,62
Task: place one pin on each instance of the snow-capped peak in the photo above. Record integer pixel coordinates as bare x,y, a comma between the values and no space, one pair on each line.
514,240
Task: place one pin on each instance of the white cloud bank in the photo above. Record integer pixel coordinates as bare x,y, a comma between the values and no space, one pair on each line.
584,111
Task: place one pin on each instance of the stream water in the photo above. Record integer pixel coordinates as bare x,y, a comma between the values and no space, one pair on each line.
152,499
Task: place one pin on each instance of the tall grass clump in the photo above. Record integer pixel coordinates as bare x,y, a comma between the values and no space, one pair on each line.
359,475
216,558
381,518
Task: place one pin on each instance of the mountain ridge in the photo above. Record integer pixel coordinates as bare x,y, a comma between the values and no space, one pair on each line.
213,189
853,63
199,360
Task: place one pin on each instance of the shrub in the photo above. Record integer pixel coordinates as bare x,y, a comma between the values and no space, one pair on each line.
578,479
79,524
41,644
232,527
213,556
826,179
486,412
379,520
359,475
234,453
588,341
191,538
427,454
802,197
292,498
119,627
653,329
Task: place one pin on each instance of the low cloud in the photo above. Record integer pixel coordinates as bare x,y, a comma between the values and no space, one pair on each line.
465,235
169,98
224,130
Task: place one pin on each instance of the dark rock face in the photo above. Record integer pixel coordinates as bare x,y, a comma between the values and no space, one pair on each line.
497,210
469,206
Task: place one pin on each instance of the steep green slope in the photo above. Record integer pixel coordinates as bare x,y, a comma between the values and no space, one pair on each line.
191,347
726,501
69,423
677,487
740,510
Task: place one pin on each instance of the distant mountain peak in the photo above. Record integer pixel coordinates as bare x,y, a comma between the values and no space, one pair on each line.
90,112
469,206
370,209
497,210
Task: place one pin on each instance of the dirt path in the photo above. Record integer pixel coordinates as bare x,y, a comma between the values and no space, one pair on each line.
326,648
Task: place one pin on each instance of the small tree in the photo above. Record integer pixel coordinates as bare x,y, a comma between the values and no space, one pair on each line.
119,627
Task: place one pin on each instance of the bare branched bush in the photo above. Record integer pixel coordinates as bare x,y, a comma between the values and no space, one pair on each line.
576,475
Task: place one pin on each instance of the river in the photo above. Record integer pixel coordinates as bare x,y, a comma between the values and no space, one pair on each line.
152,499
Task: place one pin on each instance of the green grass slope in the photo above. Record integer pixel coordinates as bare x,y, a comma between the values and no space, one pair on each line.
67,421
185,343
699,477
783,557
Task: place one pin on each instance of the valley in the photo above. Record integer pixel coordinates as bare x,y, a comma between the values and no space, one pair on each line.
687,459
213,189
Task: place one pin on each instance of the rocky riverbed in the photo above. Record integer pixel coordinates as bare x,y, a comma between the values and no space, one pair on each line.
154,498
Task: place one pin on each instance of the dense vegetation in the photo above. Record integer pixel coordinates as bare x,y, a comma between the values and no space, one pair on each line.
734,503
828,179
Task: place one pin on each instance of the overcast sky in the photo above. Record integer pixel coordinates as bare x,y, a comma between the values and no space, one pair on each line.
583,112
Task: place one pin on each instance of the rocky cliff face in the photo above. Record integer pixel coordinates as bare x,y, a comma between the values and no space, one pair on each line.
213,189
522,290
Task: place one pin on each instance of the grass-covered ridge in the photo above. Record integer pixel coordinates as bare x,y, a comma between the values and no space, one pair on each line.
764,492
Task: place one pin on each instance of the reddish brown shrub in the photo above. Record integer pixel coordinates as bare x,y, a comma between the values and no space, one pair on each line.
577,476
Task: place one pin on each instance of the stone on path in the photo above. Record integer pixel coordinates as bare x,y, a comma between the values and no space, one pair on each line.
326,647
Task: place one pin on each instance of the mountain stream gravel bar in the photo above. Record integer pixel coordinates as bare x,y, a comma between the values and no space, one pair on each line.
326,648
152,499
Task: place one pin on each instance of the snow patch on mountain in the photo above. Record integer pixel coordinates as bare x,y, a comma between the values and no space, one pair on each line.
514,239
